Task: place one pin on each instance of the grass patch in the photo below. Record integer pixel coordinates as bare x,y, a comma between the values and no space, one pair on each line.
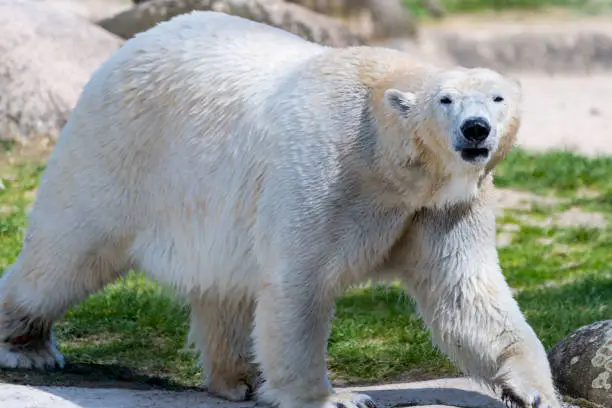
154,321
377,335
560,172
134,331
470,6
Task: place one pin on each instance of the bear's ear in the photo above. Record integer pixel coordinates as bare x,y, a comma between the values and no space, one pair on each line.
401,102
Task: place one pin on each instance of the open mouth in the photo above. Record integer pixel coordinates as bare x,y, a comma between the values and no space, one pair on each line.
474,155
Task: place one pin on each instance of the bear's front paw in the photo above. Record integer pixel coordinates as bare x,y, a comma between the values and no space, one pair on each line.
531,399
518,391
239,391
44,356
334,400
527,383
348,400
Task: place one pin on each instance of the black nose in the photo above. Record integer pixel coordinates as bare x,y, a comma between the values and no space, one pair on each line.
476,129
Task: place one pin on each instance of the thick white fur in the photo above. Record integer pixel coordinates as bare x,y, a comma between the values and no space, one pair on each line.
260,175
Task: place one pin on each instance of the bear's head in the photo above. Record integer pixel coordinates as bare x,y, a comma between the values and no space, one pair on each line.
459,120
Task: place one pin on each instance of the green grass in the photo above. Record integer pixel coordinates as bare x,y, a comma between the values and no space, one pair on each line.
469,6
561,172
562,275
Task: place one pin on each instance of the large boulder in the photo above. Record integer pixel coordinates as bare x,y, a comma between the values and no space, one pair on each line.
92,10
372,19
46,56
582,363
290,17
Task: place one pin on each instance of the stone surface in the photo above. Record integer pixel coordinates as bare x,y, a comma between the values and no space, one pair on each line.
573,47
442,393
582,363
454,392
551,49
288,16
46,56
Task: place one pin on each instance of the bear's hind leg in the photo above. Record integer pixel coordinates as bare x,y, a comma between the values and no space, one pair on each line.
221,328
54,271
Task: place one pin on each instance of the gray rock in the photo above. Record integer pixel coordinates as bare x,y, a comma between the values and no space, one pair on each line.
92,10
46,56
287,16
582,363
373,19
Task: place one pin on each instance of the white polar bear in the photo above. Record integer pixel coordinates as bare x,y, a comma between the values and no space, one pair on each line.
261,174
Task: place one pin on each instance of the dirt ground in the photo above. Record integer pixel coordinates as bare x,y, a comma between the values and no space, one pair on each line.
572,112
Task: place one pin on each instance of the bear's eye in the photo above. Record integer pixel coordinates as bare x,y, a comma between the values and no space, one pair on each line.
445,100
498,99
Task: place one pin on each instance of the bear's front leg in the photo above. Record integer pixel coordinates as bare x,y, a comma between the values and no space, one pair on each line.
292,323
469,308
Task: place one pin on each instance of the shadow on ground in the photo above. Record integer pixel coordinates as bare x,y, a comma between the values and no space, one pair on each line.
415,397
92,376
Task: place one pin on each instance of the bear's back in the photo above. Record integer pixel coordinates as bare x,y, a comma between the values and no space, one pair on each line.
200,75
179,102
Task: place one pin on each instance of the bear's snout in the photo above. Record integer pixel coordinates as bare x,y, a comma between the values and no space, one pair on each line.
476,129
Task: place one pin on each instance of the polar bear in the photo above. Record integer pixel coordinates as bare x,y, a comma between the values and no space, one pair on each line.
260,175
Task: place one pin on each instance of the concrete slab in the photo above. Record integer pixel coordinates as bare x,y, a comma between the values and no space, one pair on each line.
444,393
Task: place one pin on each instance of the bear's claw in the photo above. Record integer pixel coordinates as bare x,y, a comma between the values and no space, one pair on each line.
512,400
367,404
349,400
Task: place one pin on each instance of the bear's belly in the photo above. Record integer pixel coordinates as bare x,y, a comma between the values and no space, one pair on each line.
198,253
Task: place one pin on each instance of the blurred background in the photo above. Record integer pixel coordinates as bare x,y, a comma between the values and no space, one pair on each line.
554,191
